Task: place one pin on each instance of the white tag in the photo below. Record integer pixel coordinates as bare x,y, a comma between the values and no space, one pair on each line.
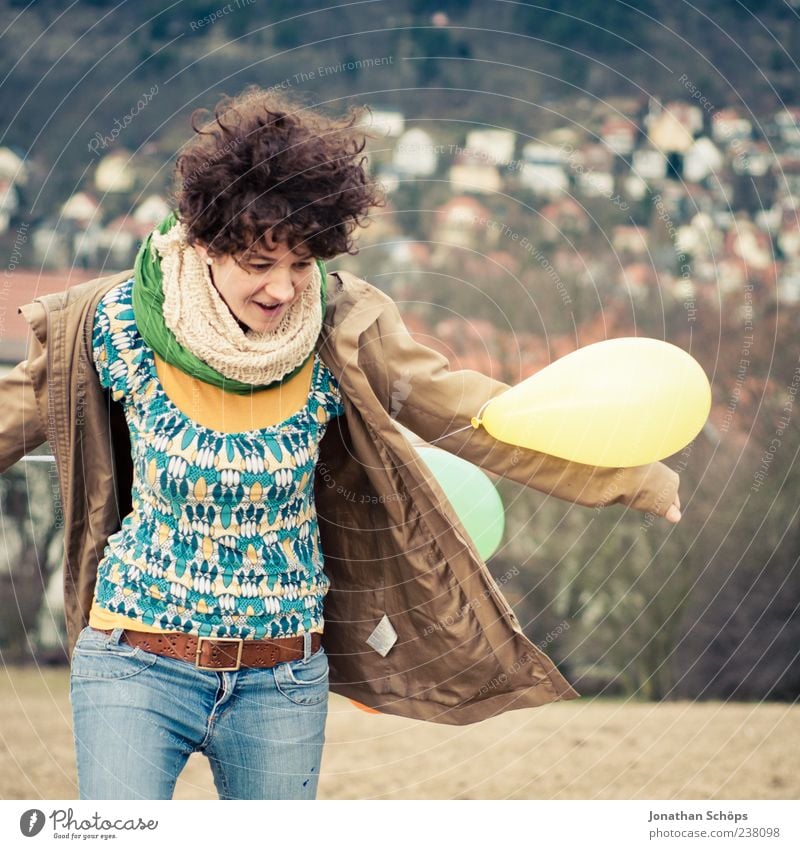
383,637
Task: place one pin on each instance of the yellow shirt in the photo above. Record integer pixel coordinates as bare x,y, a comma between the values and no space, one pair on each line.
229,412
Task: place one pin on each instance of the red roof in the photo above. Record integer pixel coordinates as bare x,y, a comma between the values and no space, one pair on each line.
23,285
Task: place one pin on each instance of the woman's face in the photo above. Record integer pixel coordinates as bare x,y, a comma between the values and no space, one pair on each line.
260,291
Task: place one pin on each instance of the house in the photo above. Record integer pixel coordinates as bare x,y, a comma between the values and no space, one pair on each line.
68,241
630,240
115,172
543,169
788,238
13,167
471,172
684,289
596,184
494,146
728,126
460,220
705,269
9,202
387,122
788,123
408,253
636,278
696,198
151,211
634,187
720,186
118,242
619,135
731,274
563,218
689,241
789,283
415,154
649,164
565,137
52,243
594,157
699,238
82,208
770,219
669,204
753,246
787,174
673,128
752,158
701,159
592,165
76,238
402,251
687,114
388,178
569,262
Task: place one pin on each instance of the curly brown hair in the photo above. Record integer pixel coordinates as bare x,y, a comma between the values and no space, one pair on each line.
268,168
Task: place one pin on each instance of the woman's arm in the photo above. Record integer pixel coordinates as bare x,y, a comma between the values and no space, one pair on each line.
422,393
21,424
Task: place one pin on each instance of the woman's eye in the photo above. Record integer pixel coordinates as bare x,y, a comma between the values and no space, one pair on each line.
259,268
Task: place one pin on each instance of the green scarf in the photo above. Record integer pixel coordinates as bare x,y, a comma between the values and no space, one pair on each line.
148,311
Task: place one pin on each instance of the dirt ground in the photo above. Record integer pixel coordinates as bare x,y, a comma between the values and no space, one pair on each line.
582,749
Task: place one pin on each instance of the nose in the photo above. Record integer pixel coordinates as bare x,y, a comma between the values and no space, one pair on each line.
279,285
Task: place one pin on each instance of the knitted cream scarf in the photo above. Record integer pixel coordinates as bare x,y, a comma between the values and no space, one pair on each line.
201,321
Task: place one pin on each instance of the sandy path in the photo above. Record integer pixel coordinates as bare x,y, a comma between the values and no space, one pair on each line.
582,749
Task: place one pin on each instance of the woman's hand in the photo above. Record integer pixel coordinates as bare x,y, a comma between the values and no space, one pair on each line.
673,514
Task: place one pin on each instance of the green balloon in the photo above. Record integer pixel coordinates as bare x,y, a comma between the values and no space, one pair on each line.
473,496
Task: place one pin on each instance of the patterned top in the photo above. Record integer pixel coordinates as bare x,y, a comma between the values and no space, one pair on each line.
223,538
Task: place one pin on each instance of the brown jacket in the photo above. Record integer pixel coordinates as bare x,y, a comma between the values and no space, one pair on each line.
452,650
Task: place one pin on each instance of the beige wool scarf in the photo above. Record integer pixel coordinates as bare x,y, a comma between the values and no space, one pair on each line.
201,321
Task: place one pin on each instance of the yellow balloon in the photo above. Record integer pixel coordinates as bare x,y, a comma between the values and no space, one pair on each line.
621,402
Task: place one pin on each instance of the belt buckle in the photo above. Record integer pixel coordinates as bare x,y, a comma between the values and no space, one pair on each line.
238,640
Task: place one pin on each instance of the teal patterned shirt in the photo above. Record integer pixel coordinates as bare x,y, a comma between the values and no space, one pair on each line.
223,537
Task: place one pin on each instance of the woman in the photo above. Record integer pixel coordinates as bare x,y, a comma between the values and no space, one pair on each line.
220,419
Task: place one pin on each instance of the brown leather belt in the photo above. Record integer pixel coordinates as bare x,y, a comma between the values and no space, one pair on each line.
219,653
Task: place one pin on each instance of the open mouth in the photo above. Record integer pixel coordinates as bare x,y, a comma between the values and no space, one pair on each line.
271,309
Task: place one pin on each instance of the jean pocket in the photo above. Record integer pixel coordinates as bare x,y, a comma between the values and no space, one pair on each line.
304,683
99,655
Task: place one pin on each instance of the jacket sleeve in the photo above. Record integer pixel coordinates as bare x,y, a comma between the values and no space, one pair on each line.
21,424
422,393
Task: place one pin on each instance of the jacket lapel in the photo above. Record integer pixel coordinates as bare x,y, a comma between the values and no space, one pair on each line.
395,548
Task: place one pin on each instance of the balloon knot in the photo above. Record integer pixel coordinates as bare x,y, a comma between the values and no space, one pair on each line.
476,421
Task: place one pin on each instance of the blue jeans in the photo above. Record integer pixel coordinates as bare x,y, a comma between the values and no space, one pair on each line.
137,716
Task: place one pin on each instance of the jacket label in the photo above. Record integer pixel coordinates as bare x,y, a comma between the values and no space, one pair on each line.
383,637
